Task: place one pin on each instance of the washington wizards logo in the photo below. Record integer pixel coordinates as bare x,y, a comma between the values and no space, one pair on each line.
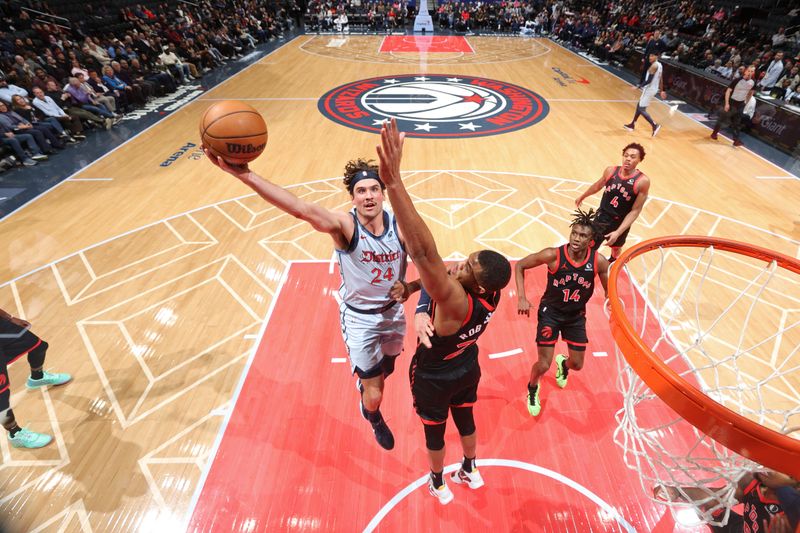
434,105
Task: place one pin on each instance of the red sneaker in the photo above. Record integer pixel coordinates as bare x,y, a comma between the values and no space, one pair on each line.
737,142
714,135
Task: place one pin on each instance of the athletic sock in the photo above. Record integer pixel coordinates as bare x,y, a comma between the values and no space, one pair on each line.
532,389
468,464
37,374
564,367
13,431
437,479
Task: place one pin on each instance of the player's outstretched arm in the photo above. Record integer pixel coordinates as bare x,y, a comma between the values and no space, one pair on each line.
418,238
542,257
595,187
337,224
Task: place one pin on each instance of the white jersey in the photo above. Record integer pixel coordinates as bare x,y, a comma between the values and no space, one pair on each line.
371,265
652,88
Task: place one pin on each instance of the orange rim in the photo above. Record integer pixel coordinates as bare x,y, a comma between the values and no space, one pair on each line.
742,435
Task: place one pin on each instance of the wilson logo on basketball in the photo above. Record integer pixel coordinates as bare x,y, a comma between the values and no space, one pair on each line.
235,148
434,105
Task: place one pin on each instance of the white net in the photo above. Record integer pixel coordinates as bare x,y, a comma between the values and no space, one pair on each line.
729,325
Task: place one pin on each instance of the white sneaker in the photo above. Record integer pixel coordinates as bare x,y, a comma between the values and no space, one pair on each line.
472,479
443,493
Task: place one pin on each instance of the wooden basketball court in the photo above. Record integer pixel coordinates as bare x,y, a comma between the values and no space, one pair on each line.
170,291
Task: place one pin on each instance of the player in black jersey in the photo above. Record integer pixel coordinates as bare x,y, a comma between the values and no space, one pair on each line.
444,377
625,191
756,491
571,269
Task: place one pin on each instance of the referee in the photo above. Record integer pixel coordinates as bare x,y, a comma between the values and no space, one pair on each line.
736,95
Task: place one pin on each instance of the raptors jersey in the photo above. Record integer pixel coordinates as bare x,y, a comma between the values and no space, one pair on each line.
620,194
371,265
757,508
570,285
453,356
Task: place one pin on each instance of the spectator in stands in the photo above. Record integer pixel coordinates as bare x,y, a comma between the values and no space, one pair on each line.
15,142
73,109
50,127
779,38
87,100
772,73
45,139
107,100
124,92
143,90
49,108
175,66
7,90
164,82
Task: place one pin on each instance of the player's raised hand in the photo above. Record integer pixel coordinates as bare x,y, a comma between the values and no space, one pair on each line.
579,201
424,328
390,152
523,306
612,237
399,291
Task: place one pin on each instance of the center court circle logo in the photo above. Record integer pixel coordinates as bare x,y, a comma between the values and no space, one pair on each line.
434,105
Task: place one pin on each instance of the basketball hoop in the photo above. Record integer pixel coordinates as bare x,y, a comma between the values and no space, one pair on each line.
706,326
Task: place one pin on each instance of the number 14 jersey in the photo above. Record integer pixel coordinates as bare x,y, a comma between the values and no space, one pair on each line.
570,285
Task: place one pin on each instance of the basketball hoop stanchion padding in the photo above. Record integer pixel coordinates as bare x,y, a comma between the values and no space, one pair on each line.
736,432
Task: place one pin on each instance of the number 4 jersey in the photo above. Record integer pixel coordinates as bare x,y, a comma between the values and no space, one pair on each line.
620,194
371,265
570,285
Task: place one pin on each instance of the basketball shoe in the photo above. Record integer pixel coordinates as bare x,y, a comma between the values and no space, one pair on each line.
26,438
656,129
627,127
443,493
534,405
562,372
48,378
472,479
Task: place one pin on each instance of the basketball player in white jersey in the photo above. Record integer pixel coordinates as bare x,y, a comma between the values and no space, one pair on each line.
371,258
653,84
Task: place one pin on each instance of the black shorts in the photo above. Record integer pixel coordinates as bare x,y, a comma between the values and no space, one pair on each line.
14,343
605,223
433,398
572,328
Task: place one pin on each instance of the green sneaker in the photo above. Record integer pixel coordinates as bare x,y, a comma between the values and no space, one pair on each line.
48,379
534,405
26,438
561,371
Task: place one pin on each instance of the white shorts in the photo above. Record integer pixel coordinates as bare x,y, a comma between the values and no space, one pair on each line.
646,98
369,337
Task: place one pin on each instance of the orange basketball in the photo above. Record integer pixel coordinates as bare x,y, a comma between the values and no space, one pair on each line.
233,131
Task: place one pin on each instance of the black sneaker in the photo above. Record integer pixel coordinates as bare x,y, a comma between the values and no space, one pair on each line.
383,434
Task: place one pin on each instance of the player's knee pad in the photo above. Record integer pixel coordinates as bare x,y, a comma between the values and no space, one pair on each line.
434,436
464,419
36,356
388,364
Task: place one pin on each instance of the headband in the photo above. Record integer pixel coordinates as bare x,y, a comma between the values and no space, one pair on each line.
365,175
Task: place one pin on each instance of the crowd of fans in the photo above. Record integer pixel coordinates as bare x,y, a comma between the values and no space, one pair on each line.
719,40
60,80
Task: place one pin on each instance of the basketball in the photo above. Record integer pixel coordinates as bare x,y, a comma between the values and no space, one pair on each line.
233,131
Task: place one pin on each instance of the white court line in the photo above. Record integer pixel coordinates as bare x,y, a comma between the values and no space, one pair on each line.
89,179
611,511
687,115
600,354
507,353
251,336
776,177
338,359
